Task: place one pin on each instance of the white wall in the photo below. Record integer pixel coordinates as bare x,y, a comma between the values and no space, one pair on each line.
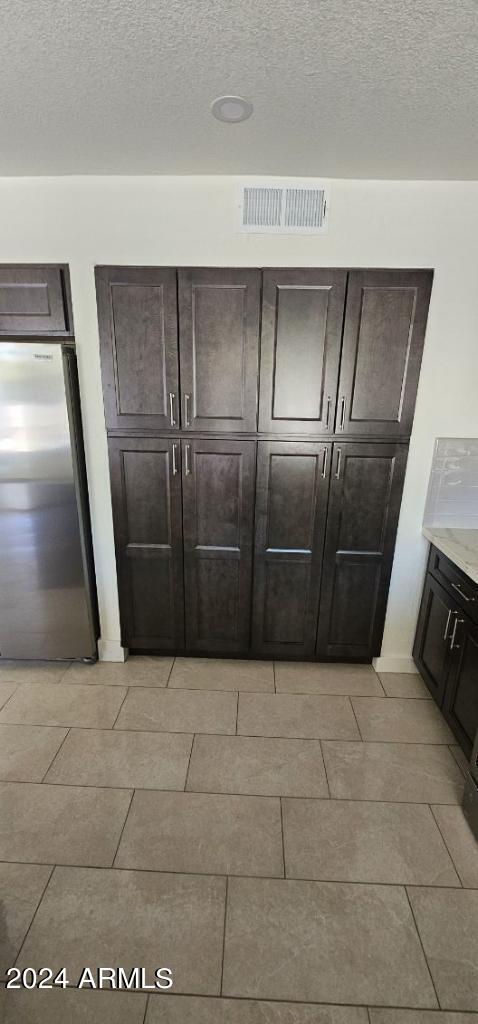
190,220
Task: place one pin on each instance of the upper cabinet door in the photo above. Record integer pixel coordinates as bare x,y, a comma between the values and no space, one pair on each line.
302,316
34,300
137,311
384,331
219,313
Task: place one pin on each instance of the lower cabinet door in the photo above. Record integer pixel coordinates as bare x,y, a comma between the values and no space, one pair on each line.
146,485
364,503
291,508
460,704
431,650
218,513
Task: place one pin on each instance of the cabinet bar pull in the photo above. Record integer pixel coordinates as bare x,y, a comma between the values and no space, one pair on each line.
339,460
327,417
186,410
342,413
175,464
460,592
445,635
172,396
187,466
324,464
458,621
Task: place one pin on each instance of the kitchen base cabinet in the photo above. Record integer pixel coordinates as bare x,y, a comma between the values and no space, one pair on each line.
432,642
364,503
291,508
460,705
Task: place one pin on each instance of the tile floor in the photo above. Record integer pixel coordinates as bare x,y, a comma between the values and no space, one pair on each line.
288,838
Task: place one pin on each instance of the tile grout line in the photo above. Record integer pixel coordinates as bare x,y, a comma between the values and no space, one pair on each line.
120,708
439,1006
167,687
355,717
325,771
52,762
146,1009
45,887
226,896
445,842
274,675
282,833
237,714
112,865
188,767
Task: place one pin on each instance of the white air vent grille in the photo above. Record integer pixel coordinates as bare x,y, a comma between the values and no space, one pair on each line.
284,207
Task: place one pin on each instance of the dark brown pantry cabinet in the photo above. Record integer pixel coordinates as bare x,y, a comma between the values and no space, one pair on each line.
258,425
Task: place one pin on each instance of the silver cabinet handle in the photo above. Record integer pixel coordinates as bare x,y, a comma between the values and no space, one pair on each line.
187,461
458,621
460,592
172,396
450,613
324,464
327,416
342,412
186,410
339,460
175,463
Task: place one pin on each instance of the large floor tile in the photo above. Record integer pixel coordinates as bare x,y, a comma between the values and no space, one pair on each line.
404,684
343,680
203,1010
356,841
222,674
387,1016
204,833
290,714
60,824
179,711
49,704
32,671
324,942
461,843
414,773
106,757
129,919
447,922
6,690
255,764
70,1006
401,720
135,671
26,751
21,888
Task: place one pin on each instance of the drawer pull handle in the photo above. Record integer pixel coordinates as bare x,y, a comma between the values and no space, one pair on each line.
172,396
450,613
458,621
175,464
187,467
460,592
342,413
324,464
186,410
339,460
327,418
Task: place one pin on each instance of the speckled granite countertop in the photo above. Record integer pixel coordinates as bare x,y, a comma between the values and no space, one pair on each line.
460,546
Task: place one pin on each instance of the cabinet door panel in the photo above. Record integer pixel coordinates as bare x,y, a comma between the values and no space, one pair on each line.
364,503
218,509
431,649
384,332
148,537
137,311
302,312
291,502
32,300
219,341
460,705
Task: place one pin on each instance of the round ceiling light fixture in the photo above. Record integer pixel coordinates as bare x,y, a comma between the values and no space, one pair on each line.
231,109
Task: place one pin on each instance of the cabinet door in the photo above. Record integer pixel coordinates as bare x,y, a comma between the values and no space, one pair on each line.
33,300
137,313
460,705
431,650
218,511
219,342
364,502
302,314
291,505
146,486
384,331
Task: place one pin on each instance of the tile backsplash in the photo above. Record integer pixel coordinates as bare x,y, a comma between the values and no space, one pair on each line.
452,498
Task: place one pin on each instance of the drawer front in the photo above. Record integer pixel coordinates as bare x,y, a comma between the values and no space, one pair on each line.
464,590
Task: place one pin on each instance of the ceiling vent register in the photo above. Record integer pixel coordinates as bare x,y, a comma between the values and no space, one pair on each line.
279,207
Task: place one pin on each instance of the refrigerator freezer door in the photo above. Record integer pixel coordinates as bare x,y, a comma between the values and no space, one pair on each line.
44,605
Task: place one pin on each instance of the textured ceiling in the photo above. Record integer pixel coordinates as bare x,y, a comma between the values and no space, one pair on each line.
341,88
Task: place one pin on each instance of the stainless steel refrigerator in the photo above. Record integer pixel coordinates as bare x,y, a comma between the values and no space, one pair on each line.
47,588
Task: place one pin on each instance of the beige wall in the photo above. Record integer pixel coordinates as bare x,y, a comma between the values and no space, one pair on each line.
188,220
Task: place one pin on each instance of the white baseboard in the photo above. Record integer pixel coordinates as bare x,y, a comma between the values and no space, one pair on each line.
395,663
111,650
